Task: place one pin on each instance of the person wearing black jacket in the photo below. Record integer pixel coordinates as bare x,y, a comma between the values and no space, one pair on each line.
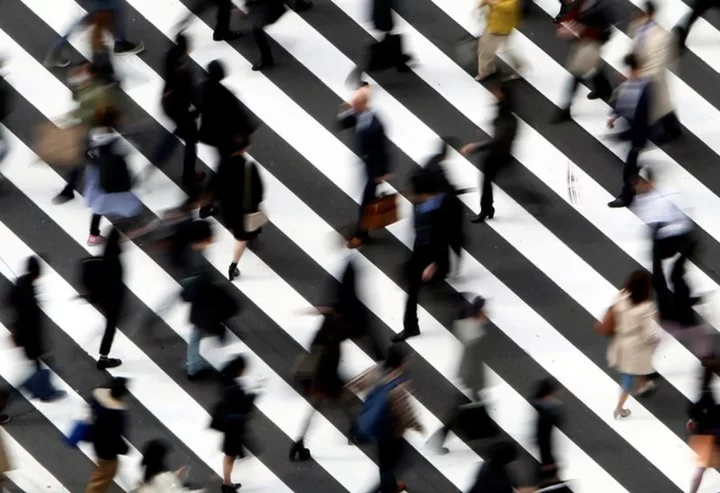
231,416
430,249
632,102
371,146
589,24
179,102
110,299
108,430
499,148
238,189
223,116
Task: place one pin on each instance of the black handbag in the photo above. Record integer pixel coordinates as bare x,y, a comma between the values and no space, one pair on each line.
475,423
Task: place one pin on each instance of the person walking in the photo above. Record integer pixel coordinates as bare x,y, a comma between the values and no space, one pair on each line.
115,10
703,423
222,31
632,101
28,333
494,475
386,415
683,27
499,154
371,146
5,110
238,188
264,13
503,16
653,51
180,103
633,341
108,429
549,418
589,24
231,416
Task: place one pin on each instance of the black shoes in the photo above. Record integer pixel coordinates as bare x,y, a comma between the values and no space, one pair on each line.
406,334
483,216
263,63
618,203
298,452
233,272
63,197
230,488
105,363
203,374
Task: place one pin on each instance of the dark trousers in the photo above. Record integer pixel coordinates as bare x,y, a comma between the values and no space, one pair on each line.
490,170
511,183
262,42
367,198
224,7
112,317
676,306
390,452
413,276
72,181
95,224
186,129
601,87
639,138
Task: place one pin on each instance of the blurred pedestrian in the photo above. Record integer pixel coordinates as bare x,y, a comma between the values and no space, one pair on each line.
157,478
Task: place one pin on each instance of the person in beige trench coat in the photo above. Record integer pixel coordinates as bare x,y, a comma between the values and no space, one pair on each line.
634,340
653,48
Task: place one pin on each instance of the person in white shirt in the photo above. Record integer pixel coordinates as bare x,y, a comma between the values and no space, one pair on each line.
672,234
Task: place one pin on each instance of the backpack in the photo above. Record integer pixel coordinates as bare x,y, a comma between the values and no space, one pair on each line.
92,277
375,418
114,173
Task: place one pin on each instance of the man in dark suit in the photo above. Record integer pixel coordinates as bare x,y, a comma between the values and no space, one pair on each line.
222,24
632,102
371,146
428,260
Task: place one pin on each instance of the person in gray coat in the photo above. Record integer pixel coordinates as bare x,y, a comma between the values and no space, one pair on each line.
469,329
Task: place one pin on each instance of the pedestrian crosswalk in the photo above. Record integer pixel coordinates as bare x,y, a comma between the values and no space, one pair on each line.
548,276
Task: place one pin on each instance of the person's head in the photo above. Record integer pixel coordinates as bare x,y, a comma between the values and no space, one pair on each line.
235,368
633,65
546,388
200,234
154,458
33,267
649,10
182,44
424,185
395,358
118,388
216,71
639,286
360,101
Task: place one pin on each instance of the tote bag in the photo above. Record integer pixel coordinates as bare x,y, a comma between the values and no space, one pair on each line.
252,220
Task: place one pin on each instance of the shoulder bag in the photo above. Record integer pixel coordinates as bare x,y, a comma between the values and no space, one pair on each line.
252,220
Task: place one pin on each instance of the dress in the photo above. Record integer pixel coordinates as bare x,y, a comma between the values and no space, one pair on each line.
230,189
237,407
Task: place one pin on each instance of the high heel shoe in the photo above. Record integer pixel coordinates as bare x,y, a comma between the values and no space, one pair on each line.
233,272
483,216
298,452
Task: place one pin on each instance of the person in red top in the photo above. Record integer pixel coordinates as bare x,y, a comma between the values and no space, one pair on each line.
588,23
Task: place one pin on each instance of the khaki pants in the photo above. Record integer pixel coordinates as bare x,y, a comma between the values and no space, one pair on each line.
102,477
488,46
585,58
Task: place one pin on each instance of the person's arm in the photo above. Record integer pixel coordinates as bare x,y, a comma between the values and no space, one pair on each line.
364,381
403,410
347,117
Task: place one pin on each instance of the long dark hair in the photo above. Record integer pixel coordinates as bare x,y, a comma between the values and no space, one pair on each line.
154,459
639,285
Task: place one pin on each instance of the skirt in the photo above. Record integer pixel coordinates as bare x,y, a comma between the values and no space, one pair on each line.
706,448
120,205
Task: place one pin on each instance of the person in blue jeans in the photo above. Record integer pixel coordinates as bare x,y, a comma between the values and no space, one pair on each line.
56,58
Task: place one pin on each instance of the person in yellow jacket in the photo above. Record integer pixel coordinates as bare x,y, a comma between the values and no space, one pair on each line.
502,17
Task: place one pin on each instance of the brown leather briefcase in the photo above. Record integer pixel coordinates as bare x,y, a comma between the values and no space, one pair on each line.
381,213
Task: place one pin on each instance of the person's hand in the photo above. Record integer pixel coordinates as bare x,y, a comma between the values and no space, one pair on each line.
467,149
429,272
181,472
419,428
611,122
690,426
345,107
565,32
